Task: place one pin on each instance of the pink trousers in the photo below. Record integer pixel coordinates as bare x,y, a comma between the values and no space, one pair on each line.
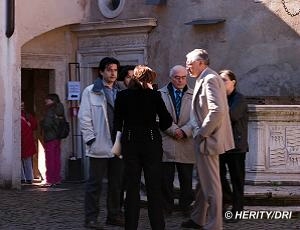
53,164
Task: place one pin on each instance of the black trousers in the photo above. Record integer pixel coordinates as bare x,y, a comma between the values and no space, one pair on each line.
98,169
146,156
185,175
236,166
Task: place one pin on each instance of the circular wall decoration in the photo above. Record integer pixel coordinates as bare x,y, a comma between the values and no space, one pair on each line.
111,8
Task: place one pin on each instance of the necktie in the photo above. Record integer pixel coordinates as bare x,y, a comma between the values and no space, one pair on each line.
177,102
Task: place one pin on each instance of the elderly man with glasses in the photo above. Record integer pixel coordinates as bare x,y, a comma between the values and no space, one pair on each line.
212,136
178,142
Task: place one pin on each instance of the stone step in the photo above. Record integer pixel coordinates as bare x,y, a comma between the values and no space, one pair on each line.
250,206
263,195
294,209
272,195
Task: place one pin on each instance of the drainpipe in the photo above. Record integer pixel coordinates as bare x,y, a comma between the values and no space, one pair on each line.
10,17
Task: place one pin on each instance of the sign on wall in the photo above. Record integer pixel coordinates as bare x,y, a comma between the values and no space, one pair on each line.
73,90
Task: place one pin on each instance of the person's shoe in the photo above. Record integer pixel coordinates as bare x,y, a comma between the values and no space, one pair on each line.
93,224
116,220
232,220
186,213
168,212
190,224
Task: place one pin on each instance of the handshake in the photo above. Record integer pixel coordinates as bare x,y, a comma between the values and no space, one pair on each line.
116,149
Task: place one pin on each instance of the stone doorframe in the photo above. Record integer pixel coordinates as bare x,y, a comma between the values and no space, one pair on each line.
126,40
57,63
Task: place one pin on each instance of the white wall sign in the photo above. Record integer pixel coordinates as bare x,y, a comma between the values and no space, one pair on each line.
73,90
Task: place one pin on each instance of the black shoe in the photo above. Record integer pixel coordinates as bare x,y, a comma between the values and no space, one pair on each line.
116,220
232,220
190,224
168,212
93,224
186,213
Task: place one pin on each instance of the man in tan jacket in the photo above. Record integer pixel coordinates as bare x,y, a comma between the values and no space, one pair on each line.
212,136
177,141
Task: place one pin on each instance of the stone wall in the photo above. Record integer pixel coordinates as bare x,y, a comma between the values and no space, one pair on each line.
274,144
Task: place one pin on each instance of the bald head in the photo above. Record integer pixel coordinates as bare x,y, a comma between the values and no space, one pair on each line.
177,69
178,75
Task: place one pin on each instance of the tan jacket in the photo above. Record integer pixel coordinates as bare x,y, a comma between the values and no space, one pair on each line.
181,151
210,115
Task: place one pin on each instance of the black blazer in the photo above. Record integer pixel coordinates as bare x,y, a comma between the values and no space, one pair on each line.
138,109
238,109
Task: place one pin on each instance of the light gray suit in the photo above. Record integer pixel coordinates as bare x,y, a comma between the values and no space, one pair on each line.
212,136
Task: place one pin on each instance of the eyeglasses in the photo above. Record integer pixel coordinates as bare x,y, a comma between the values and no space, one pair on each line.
180,78
191,62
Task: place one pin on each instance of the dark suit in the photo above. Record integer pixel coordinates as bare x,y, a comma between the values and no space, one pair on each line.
235,159
135,116
178,154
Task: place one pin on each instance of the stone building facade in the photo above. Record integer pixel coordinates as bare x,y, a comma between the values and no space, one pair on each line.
57,41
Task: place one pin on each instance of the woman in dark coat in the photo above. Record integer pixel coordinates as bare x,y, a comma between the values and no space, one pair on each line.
49,125
136,111
235,159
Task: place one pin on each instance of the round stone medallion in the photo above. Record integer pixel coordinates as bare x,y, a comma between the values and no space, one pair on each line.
111,8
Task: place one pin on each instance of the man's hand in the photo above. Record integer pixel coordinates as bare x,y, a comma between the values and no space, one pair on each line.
179,134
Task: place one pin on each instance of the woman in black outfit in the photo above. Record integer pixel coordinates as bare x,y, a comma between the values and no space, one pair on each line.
235,159
136,112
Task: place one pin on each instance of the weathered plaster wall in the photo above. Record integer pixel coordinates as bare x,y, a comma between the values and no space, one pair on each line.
258,41
9,106
36,17
32,18
57,41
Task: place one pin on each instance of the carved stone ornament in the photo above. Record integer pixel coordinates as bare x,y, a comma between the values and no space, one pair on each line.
111,8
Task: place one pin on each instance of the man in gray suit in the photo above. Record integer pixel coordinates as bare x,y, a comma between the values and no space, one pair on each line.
212,136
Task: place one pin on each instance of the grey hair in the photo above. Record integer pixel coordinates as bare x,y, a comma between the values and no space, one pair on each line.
175,69
198,54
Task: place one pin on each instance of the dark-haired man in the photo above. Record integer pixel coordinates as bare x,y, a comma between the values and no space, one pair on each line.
96,123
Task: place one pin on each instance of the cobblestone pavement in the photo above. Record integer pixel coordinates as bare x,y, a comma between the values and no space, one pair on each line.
35,207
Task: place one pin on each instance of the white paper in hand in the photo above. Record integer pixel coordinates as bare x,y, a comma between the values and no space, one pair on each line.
116,149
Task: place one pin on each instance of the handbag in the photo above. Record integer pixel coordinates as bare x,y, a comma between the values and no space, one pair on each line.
63,128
